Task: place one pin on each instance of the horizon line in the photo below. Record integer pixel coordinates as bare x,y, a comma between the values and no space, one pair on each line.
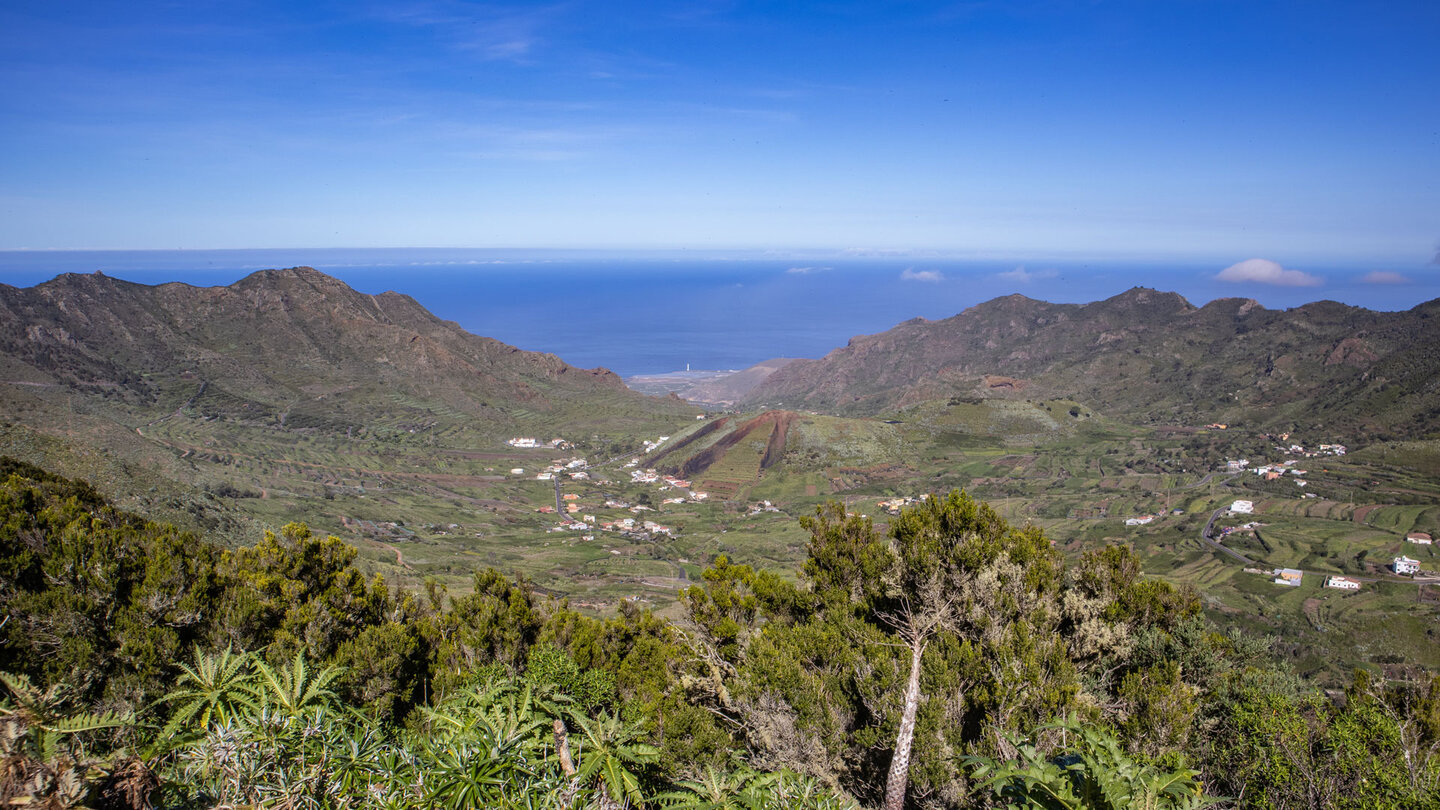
778,253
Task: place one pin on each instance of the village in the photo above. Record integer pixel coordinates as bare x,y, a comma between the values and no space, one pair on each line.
1401,565
577,516
630,512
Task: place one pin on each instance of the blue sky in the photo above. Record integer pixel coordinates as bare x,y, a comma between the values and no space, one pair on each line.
1301,133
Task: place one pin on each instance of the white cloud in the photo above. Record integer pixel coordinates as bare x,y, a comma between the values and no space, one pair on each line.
882,252
911,274
1384,277
805,271
1264,271
1024,276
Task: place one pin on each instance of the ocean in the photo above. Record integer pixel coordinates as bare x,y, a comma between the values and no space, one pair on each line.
656,313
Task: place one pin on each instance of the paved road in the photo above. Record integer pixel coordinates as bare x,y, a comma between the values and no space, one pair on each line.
1205,538
1203,481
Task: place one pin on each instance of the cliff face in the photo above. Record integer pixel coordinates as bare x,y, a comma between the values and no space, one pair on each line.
1148,355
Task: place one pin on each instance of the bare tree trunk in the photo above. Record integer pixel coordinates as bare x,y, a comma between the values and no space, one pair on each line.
899,777
562,747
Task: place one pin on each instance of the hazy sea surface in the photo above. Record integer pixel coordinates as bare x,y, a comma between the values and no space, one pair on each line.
656,313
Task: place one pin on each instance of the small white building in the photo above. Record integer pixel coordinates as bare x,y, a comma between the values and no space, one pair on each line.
1243,507
1405,565
1138,521
1342,583
1420,538
1289,576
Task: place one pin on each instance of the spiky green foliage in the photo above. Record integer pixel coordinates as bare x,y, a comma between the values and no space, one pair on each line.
1092,773
218,685
37,722
745,789
42,745
613,758
296,689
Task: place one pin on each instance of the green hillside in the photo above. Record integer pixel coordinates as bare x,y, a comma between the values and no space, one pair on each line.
1145,356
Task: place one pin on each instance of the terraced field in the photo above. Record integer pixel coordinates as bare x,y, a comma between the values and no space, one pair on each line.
739,467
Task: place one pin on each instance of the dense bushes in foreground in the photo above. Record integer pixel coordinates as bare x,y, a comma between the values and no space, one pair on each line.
958,662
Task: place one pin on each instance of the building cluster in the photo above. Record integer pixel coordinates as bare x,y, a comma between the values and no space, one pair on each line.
1145,520
650,476
633,528
1269,472
530,443
1290,448
762,507
1277,470
573,468
1294,578
894,505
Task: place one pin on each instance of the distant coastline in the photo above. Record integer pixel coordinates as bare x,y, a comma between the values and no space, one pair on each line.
649,314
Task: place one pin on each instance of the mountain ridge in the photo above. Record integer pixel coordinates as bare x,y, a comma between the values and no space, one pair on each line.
1142,353
95,332
288,387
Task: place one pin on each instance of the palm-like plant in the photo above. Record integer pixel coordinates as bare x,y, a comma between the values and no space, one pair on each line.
1096,774
217,687
35,720
475,774
720,790
297,689
484,747
745,789
612,757
41,745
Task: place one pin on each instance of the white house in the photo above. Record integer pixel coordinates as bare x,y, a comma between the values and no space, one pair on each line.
1405,565
1243,507
1138,521
1420,538
1342,583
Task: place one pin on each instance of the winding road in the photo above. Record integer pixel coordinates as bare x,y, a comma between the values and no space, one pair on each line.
1206,539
